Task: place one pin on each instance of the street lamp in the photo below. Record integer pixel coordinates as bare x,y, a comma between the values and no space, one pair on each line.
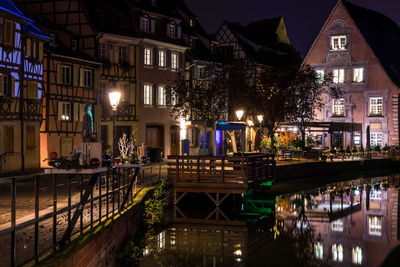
250,123
239,114
114,101
260,118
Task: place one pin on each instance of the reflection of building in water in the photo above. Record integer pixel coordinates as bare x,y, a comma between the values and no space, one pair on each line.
358,227
213,245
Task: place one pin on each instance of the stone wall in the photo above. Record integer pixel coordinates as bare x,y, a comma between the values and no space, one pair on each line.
311,169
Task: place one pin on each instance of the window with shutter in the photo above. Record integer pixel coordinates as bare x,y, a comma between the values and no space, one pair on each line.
9,139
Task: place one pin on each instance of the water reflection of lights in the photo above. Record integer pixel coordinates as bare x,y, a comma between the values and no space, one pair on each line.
237,252
146,252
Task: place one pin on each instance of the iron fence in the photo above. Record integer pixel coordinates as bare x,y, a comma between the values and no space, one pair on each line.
39,214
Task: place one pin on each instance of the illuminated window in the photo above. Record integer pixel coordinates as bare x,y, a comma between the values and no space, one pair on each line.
65,111
161,96
145,24
161,240
358,75
357,255
338,42
162,58
66,74
147,93
191,22
174,61
319,250
338,107
338,75
337,252
173,97
320,75
147,56
376,139
375,225
375,106
337,225
375,194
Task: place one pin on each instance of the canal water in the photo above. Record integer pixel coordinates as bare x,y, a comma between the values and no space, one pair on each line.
304,223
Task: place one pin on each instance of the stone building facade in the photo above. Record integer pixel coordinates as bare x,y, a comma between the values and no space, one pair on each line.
356,45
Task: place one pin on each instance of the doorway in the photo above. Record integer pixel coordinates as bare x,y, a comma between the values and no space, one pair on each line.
174,141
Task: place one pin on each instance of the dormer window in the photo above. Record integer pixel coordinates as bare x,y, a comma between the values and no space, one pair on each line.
145,24
171,30
338,42
191,22
74,44
52,39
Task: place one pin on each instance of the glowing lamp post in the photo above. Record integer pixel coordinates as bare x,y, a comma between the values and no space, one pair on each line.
114,101
239,114
260,118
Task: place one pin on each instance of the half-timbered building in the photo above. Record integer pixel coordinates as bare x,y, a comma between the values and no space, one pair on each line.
105,32
359,47
257,46
71,86
21,89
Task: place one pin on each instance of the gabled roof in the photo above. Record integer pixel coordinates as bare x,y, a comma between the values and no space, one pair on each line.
259,41
382,35
8,6
111,16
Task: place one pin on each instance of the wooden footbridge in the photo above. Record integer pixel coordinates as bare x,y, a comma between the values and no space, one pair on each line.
217,177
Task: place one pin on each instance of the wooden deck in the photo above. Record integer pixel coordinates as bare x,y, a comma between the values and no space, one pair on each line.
217,178
219,174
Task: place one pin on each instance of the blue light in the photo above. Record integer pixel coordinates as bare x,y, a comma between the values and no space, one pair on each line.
218,138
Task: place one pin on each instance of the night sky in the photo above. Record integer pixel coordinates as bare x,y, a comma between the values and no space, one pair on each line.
303,18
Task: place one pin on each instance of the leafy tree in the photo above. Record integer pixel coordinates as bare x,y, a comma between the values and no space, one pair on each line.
291,94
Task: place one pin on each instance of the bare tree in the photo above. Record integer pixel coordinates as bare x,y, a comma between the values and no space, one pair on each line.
305,97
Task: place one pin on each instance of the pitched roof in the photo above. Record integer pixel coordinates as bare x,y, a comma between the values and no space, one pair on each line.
111,16
382,35
259,41
9,6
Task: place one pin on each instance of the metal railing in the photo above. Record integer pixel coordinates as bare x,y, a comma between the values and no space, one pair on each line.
36,211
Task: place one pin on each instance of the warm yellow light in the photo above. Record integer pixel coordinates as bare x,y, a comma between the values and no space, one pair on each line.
250,123
114,99
239,114
260,118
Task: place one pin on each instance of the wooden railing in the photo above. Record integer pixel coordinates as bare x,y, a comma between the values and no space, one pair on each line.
220,169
